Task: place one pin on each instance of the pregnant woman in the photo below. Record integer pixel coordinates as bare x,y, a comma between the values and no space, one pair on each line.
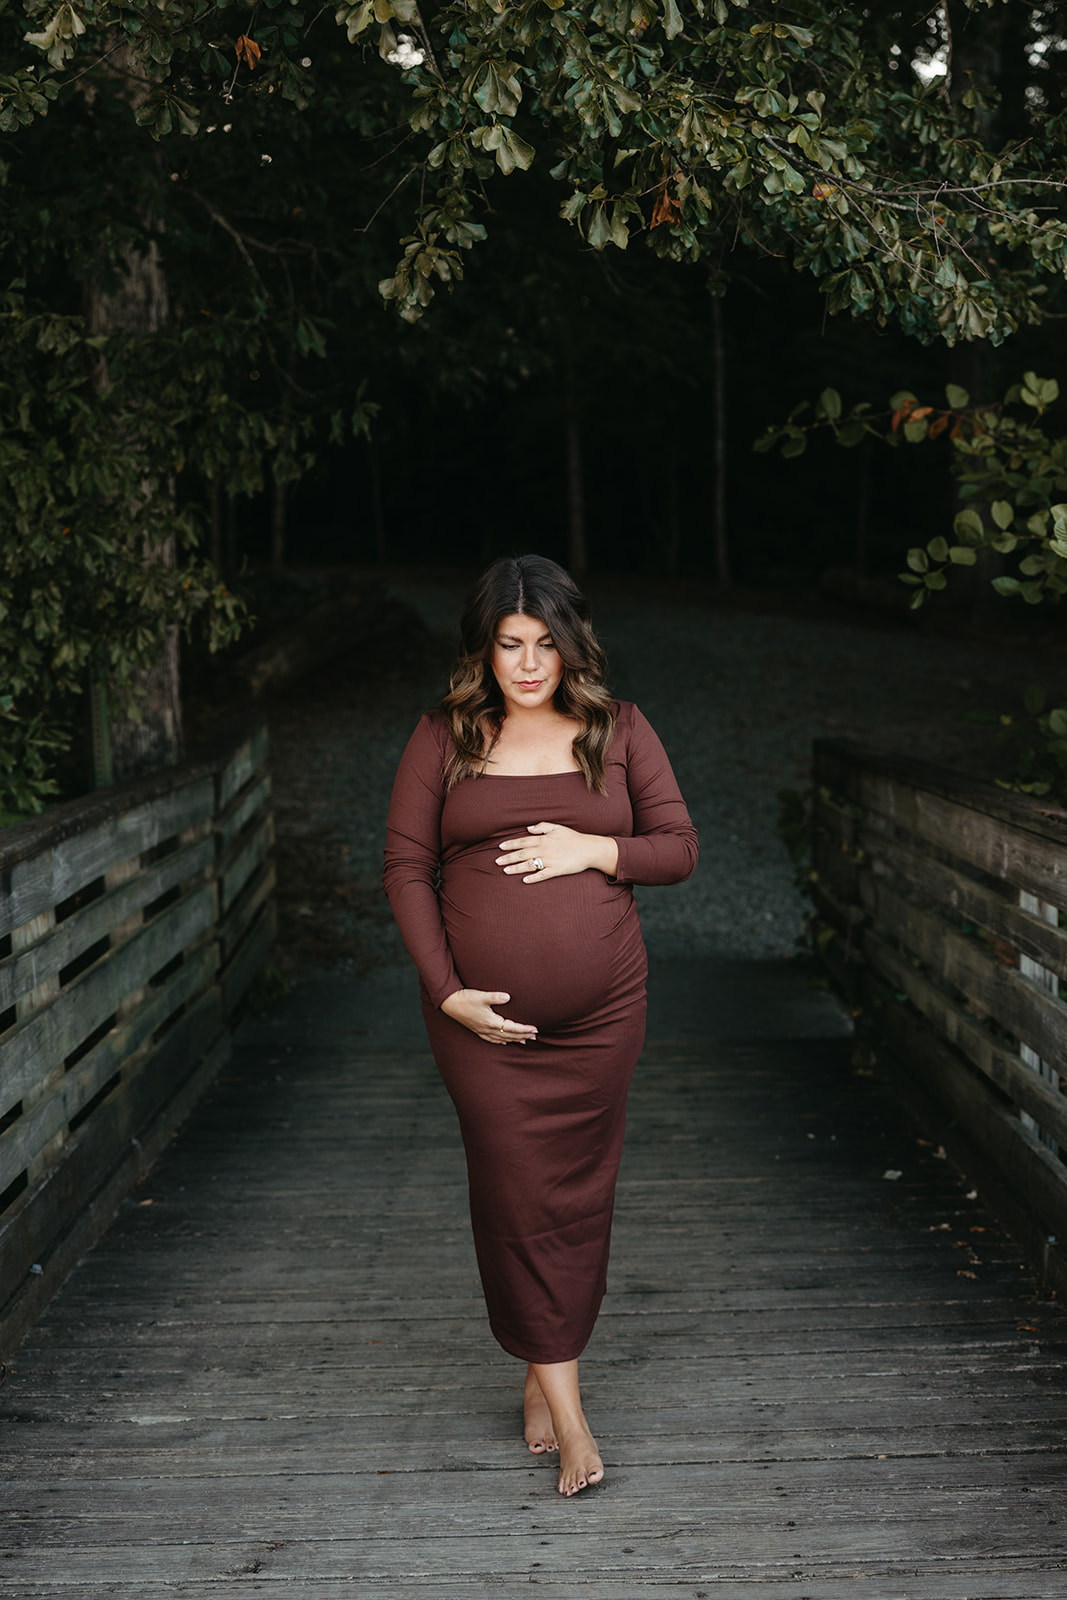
523,811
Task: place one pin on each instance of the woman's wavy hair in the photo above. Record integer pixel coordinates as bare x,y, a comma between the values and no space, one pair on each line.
529,586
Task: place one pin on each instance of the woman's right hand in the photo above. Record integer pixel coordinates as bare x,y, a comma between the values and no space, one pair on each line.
474,1009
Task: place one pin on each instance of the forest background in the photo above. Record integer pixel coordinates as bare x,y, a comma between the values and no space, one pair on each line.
228,342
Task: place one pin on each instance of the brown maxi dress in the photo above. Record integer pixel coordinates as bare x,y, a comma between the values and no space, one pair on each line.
543,1122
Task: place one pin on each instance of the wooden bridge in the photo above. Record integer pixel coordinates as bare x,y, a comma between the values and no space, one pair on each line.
823,1369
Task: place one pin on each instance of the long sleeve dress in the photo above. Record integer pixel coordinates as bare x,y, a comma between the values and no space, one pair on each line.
542,1123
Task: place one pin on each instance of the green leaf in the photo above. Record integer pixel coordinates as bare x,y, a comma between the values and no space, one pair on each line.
938,548
1034,699
1003,513
1006,586
1004,543
918,560
962,555
968,525
1031,593
794,447
672,19
935,580
830,404
511,151
957,398
1057,721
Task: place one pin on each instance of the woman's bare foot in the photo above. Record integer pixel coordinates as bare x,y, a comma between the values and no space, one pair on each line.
579,1459
539,1432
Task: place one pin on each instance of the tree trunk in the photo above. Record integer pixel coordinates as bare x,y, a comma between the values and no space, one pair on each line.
672,519
377,503
863,508
139,306
577,559
975,60
722,547
277,526
216,525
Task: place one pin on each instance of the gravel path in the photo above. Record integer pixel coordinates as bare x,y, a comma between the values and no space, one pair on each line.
737,699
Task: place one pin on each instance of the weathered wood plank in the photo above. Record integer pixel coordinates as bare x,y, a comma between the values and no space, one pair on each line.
766,1423
44,1040
1019,1005
971,901
249,957
1029,1179
959,1027
962,1581
20,1142
242,764
1016,856
39,882
248,802
235,871
235,925
63,944
65,1201
837,761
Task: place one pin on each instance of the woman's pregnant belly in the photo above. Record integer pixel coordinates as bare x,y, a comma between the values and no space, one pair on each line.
568,951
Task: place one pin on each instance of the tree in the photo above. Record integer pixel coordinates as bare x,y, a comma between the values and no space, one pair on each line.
164,342
702,127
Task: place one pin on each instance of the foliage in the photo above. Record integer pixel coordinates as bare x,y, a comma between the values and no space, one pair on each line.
1036,742
110,446
695,123
1010,476
254,147
725,120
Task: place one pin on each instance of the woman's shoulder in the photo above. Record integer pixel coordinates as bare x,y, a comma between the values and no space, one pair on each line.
433,728
628,717
625,719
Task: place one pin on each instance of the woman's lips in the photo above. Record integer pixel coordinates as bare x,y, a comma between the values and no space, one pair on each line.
528,683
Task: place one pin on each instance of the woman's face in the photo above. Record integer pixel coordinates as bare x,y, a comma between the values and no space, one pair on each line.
525,663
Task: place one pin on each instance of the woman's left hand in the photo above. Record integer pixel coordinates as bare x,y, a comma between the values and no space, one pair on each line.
557,852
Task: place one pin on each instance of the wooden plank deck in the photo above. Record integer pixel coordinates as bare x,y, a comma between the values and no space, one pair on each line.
809,1381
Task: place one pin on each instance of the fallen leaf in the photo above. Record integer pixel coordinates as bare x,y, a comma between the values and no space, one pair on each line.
892,1174
938,425
962,1272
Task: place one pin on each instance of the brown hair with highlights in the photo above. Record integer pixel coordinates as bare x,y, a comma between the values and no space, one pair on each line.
528,586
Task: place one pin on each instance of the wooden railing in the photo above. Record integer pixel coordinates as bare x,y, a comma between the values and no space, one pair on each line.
941,902
131,924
